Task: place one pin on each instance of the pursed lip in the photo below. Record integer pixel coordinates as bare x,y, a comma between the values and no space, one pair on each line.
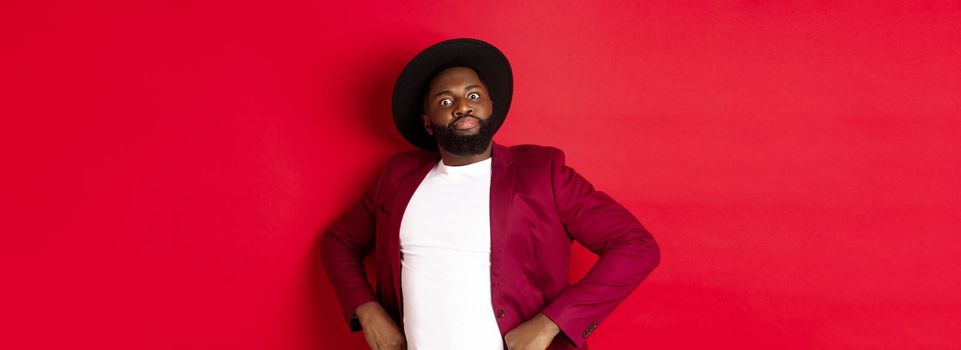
454,123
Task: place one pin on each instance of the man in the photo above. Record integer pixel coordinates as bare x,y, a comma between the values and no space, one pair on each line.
472,238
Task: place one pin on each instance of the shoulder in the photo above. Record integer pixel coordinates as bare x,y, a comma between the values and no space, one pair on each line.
542,155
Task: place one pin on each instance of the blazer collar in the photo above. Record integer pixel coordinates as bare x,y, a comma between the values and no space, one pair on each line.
501,154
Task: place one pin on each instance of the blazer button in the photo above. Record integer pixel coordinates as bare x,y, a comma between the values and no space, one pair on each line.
500,313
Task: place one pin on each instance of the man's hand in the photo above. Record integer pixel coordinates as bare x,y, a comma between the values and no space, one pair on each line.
380,331
535,334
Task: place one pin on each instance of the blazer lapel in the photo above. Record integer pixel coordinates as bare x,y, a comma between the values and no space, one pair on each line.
502,191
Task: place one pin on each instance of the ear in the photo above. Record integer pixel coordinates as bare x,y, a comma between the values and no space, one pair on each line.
426,119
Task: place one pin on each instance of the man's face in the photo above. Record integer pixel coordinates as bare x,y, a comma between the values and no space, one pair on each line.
457,111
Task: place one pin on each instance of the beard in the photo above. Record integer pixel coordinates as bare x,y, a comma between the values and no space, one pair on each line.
461,144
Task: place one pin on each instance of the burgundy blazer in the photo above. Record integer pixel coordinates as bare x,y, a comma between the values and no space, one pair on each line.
538,206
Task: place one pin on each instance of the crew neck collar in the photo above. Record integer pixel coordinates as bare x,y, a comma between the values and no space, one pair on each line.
468,168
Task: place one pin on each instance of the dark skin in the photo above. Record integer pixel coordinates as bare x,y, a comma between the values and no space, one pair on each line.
454,93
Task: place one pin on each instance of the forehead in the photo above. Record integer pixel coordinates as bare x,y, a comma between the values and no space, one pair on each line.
454,77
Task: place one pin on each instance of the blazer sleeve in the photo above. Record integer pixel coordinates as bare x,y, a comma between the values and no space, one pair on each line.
627,252
345,245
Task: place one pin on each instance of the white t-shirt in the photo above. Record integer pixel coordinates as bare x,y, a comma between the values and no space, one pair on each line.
445,265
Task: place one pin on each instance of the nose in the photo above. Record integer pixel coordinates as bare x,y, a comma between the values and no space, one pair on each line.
462,108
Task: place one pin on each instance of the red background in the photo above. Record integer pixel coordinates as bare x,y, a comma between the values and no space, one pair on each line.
169,166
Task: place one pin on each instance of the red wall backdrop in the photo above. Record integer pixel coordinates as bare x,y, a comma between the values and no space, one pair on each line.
169,166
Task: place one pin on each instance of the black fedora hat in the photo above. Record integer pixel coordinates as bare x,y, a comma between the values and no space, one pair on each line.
490,64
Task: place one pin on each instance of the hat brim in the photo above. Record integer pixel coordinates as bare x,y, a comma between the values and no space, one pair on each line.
484,58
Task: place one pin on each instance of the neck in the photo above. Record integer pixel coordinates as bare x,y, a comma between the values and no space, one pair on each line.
451,159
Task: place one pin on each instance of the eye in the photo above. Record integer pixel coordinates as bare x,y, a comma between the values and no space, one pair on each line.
446,102
473,96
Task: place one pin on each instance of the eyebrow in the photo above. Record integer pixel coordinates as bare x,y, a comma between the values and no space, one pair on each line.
469,87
